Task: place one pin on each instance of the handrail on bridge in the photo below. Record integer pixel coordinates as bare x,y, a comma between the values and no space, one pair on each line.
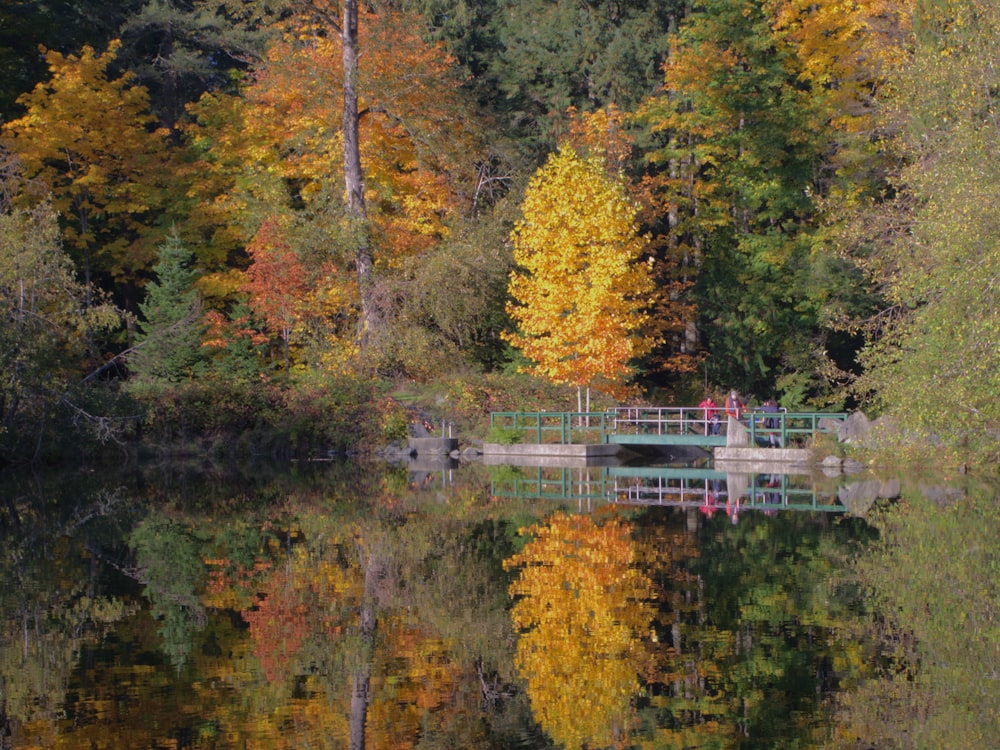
589,427
564,427
682,487
659,420
673,420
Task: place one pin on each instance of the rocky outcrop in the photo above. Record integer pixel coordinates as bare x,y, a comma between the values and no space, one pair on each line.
856,428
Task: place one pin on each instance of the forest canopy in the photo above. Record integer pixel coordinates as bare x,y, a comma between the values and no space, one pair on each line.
348,183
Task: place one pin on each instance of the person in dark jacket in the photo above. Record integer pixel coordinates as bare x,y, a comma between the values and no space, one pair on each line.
772,423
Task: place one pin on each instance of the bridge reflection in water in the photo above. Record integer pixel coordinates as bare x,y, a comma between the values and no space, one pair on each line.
683,486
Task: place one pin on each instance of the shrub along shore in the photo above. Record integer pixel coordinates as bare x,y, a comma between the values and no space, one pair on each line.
351,417
344,416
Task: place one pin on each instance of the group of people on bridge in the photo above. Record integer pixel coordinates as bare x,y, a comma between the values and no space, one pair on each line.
735,409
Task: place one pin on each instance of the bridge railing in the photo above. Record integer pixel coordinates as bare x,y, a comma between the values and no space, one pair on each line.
788,427
658,420
554,483
682,487
566,428
761,492
591,427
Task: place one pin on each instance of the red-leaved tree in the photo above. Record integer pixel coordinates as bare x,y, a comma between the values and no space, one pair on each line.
276,283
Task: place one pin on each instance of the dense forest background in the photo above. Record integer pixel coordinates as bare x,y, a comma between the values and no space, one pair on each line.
246,198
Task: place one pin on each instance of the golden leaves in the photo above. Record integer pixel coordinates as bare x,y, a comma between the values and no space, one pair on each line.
581,606
580,293
89,139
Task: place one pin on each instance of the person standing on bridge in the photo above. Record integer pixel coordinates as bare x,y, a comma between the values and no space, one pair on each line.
771,423
734,406
711,411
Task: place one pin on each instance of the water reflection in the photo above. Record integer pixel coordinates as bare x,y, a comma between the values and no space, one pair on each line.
734,488
369,605
583,607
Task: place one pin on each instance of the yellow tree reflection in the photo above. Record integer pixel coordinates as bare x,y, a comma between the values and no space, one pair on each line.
582,606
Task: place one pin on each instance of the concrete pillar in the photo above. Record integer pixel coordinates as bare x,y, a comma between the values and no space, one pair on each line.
736,434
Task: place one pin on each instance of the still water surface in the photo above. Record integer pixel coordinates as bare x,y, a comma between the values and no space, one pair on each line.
368,605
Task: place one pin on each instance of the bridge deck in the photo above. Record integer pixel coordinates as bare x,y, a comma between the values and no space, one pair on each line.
702,441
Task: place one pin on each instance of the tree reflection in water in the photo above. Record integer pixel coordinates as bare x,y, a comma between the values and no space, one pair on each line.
933,579
337,604
582,606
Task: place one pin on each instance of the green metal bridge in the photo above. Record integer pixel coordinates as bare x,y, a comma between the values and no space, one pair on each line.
660,426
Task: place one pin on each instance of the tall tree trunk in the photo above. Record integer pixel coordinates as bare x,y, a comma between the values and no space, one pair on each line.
354,182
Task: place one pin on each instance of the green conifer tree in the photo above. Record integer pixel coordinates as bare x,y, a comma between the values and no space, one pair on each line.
169,345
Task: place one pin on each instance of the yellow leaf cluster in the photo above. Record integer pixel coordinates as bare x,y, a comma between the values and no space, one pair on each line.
845,48
90,141
580,289
582,604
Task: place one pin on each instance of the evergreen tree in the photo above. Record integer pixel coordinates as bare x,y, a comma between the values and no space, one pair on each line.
538,58
747,132
178,50
169,347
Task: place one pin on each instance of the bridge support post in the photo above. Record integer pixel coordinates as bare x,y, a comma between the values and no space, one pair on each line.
737,435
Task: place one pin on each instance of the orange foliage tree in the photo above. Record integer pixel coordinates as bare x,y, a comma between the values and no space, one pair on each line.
278,625
276,283
280,146
582,608
580,289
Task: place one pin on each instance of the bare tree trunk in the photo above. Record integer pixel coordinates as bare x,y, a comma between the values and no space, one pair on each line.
354,182
689,342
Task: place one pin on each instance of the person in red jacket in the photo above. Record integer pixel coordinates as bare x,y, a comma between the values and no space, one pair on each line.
711,412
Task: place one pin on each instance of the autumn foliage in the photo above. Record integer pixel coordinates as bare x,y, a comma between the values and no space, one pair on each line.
581,282
724,187
582,608
89,141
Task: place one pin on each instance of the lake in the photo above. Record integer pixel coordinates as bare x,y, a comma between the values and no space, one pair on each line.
357,604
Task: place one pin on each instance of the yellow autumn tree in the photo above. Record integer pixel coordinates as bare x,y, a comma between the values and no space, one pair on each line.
582,608
90,141
580,287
